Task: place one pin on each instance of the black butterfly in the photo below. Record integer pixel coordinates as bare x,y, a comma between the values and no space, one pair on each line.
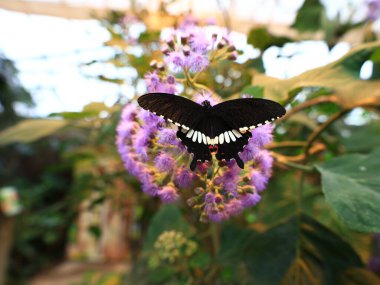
223,129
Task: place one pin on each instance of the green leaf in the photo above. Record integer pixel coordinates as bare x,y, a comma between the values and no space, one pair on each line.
262,39
30,130
358,276
362,138
167,218
200,260
111,80
254,91
341,76
299,249
309,16
351,185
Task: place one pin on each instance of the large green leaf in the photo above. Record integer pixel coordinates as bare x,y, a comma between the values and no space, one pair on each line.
362,138
262,39
341,76
30,130
351,185
298,251
309,16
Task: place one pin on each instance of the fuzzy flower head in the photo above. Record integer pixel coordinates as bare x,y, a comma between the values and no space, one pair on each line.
152,152
373,9
191,47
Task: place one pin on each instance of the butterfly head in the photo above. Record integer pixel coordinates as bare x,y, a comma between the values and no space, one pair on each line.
206,104
213,148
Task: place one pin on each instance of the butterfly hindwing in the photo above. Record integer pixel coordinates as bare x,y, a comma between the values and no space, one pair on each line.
231,150
214,135
175,109
248,113
200,150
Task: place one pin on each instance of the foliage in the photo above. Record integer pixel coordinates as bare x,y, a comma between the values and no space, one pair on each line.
315,222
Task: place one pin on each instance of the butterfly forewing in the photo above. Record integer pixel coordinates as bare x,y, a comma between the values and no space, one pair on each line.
173,108
249,113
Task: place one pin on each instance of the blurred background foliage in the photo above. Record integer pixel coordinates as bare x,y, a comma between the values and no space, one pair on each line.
318,219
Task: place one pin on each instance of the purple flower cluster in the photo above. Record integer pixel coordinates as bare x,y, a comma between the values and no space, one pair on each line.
191,48
151,151
373,9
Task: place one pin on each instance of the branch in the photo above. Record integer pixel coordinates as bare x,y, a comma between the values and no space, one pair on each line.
285,144
309,103
314,135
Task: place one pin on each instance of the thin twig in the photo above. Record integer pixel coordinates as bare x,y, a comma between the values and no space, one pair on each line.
314,135
309,103
285,144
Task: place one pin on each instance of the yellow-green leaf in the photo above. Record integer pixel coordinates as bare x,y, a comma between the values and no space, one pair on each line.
341,76
30,130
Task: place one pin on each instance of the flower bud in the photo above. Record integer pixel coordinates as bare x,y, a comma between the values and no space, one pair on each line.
232,56
248,189
153,63
161,66
184,39
165,49
170,79
198,190
170,43
221,44
204,217
191,201
186,50
231,48
218,198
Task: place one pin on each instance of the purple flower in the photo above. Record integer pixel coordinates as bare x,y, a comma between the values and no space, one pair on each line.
126,128
149,119
262,135
249,152
199,41
188,21
183,177
230,179
150,188
203,96
209,198
373,9
196,62
234,207
128,112
167,136
249,200
175,60
258,179
217,216
168,194
152,81
164,162
265,161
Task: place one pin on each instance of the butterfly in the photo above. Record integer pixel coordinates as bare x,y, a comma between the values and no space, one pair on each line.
222,129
